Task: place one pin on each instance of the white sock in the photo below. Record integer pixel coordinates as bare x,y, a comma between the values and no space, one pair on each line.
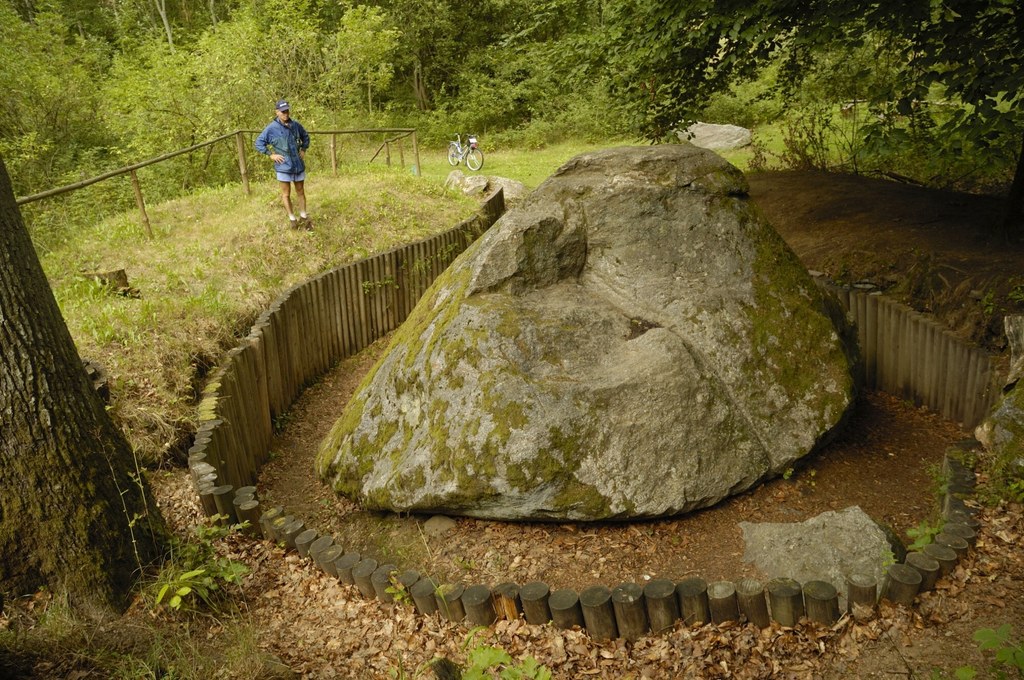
291,217
303,215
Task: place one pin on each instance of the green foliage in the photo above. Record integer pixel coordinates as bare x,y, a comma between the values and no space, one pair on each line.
933,108
398,591
49,101
484,660
923,534
1009,653
361,56
196,578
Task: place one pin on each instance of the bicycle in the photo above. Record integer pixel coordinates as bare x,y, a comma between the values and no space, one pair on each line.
470,153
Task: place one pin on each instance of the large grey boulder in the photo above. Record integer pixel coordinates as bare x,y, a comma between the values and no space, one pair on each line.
632,341
828,547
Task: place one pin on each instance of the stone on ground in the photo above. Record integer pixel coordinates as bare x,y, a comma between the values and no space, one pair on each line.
824,548
716,137
633,340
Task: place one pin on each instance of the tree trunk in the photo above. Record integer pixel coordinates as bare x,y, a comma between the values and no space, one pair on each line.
75,512
161,8
419,89
1013,217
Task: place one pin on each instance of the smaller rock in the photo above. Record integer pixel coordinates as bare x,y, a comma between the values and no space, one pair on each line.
481,185
474,185
824,548
515,191
716,137
454,179
438,526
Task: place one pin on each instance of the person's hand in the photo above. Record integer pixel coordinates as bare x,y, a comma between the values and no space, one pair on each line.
277,158
302,154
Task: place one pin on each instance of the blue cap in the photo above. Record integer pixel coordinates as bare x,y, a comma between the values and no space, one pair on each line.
282,105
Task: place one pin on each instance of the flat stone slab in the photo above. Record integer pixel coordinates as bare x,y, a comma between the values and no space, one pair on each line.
824,548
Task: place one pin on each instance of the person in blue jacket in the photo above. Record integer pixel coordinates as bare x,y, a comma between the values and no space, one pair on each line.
286,141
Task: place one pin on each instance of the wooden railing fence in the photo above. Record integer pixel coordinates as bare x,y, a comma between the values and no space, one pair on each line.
398,135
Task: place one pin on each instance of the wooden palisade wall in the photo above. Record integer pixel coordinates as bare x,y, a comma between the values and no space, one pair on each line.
912,356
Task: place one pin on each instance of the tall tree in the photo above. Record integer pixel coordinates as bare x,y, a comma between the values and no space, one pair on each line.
75,511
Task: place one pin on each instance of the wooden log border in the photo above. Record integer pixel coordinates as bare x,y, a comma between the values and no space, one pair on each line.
337,314
629,611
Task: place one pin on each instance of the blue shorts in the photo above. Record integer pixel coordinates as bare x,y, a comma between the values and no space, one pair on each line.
289,177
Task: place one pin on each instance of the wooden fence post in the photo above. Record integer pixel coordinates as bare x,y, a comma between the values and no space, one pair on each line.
334,154
243,168
142,204
415,155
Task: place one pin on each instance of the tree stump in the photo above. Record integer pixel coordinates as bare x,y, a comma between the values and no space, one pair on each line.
598,614
965,518
822,602
449,601
786,600
959,545
115,281
404,582
479,605
206,499
381,581
752,602
630,611
304,540
277,527
327,558
291,531
506,601
361,574
943,554
223,496
534,598
722,601
961,530
861,596
693,601
927,566
565,609
249,515
423,596
266,518
902,583
344,565
662,605
318,546
198,468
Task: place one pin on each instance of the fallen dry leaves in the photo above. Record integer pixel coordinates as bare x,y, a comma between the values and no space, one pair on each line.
323,629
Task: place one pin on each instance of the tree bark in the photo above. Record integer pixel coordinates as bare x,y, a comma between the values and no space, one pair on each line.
75,512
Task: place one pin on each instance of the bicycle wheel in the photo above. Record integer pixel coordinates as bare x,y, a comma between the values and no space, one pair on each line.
453,154
475,159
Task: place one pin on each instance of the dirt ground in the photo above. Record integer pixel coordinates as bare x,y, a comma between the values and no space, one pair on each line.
932,249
